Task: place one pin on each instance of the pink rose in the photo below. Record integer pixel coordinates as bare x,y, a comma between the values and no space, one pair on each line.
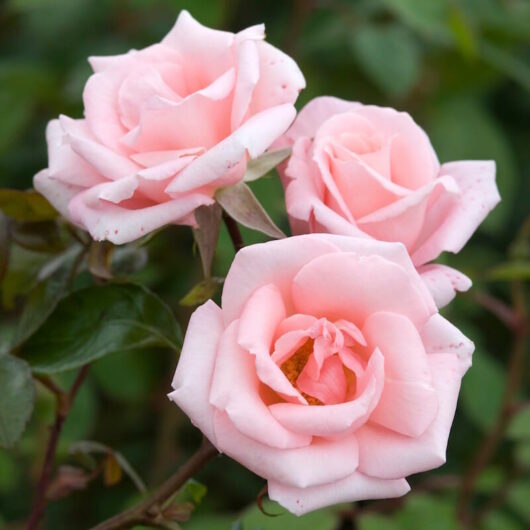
328,371
371,171
165,127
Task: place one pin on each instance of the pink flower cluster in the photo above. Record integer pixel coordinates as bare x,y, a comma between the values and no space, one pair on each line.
328,369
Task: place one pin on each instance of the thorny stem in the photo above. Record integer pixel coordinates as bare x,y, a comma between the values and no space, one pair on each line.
64,405
149,511
513,380
233,231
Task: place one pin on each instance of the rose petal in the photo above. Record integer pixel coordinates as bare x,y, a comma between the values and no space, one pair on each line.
443,282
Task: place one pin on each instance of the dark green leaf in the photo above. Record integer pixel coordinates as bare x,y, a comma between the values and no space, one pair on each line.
26,205
513,270
206,235
519,428
16,403
97,321
241,204
4,245
202,291
192,491
517,498
389,55
44,236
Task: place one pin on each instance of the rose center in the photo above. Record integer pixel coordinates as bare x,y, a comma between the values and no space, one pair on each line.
292,368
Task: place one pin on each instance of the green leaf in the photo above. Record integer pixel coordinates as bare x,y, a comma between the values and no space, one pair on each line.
97,321
389,55
519,428
373,521
462,129
482,391
4,245
202,291
513,270
427,511
500,521
258,167
241,204
26,205
522,454
192,491
42,236
462,32
254,519
517,499
18,396
206,235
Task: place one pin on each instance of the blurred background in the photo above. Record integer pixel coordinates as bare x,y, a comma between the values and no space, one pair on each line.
462,69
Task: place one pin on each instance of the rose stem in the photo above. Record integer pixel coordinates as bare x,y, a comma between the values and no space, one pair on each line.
64,405
489,445
148,511
233,230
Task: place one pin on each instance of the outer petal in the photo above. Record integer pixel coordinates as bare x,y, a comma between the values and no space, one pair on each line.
443,282
118,224
450,228
274,262
353,287
236,391
355,487
194,372
58,193
322,461
316,112
387,454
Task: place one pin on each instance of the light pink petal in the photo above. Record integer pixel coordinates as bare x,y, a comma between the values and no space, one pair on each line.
247,77
316,112
387,454
403,219
443,282
167,169
259,320
100,97
200,120
352,330
322,461
273,262
118,190
332,420
330,388
120,224
353,287
280,80
449,227
236,391
64,164
413,160
254,137
328,221
355,487
58,193
295,322
193,376
440,336
155,158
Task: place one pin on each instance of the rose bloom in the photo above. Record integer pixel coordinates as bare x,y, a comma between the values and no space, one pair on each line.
328,371
371,171
165,127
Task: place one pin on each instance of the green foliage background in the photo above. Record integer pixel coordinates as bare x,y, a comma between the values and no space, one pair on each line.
460,67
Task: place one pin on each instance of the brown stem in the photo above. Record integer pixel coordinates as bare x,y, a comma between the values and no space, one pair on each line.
64,404
233,231
148,512
513,380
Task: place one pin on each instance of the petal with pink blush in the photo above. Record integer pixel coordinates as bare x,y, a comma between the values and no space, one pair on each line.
155,158
167,169
280,80
120,224
403,220
193,377
100,97
118,191
355,487
443,282
320,462
247,77
257,326
287,344
353,287
236,390
387,454
332,420
254,137
440,336
296,322
330,387
451,228
274,262
58,193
